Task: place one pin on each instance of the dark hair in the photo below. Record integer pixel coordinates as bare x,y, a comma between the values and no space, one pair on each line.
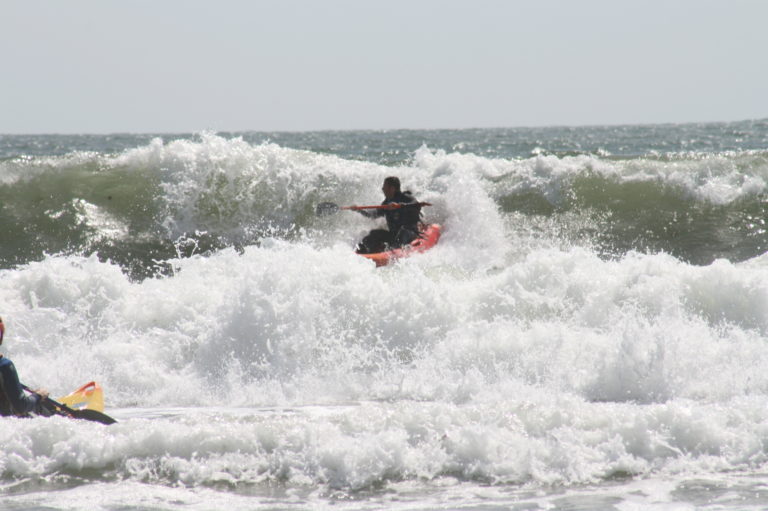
393,181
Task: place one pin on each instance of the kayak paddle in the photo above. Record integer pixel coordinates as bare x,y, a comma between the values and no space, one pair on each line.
62,409
328,208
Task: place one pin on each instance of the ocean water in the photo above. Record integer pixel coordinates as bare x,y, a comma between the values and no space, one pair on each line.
590,332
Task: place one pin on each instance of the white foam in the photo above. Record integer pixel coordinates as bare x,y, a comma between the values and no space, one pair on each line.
476,360
716,179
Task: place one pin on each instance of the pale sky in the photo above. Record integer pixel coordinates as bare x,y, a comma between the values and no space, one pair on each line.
100,66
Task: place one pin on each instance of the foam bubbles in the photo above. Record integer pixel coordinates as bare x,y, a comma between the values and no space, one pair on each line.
494,357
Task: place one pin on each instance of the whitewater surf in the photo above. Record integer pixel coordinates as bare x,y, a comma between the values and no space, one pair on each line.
588,333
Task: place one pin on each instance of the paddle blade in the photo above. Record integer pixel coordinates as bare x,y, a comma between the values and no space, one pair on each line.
87,397
56,408
326,208
93,415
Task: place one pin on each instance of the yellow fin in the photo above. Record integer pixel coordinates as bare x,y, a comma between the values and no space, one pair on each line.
87,397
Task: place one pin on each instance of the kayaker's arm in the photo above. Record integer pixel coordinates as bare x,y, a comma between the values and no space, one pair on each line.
21,402
367,212
378,211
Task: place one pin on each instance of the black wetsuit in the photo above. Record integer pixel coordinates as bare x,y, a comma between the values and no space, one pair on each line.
13,399
402,225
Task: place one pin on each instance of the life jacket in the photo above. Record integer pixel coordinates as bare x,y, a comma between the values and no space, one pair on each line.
407,218
6,410
5,405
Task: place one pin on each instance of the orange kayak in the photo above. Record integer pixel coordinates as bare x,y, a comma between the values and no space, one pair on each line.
429,236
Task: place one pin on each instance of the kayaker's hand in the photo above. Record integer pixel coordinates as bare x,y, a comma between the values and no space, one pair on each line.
42,393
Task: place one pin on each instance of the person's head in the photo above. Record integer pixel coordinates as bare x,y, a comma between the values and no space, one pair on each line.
391,187
2,330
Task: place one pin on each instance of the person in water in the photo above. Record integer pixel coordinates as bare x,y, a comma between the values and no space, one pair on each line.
402,223
14,401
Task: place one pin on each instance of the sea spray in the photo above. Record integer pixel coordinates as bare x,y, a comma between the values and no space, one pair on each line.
536,357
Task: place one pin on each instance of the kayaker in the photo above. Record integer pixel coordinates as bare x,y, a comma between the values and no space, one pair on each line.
14,401
402,223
